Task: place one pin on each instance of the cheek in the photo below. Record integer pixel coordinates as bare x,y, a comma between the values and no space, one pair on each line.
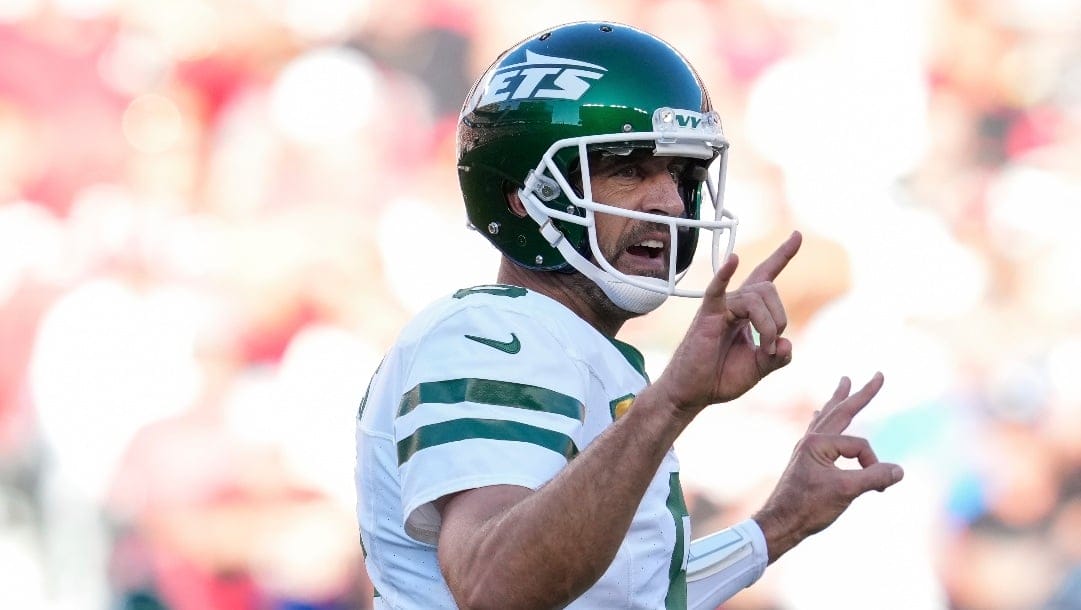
609,227
609,230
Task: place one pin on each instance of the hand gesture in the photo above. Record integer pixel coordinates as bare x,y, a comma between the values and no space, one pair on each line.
718,359
813,491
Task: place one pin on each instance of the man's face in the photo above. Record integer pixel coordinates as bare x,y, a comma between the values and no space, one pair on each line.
644,183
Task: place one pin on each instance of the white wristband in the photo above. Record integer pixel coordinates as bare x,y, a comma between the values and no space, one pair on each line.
722,564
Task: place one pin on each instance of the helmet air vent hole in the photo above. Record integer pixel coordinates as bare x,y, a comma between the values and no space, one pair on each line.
545,36
606,28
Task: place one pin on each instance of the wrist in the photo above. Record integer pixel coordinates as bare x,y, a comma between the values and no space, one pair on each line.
779,530
663,407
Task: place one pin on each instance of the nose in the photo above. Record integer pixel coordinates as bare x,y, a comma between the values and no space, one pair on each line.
664,198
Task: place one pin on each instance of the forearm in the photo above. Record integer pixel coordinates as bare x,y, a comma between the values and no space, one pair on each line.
551,546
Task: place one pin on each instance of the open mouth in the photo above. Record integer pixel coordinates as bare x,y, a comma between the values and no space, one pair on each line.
647,257
649,248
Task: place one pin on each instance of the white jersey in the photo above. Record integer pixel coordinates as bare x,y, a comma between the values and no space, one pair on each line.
498,385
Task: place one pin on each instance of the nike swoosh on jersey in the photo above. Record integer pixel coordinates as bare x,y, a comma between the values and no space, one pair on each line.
511,347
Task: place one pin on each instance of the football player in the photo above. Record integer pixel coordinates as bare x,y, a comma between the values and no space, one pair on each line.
512,452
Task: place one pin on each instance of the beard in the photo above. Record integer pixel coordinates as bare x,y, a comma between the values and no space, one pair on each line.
633,235
598,300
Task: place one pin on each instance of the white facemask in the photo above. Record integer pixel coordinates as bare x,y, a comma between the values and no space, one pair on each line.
636,294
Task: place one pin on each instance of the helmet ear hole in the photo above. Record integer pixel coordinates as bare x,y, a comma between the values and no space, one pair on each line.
514,202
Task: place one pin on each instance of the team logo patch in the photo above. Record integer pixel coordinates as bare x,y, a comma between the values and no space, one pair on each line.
538,77
620,406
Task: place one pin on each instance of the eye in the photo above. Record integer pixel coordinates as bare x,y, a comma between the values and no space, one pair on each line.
627,171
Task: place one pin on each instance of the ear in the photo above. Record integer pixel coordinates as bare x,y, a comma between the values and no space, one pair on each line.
514,202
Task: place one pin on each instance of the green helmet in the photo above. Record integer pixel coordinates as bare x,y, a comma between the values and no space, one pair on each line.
530,122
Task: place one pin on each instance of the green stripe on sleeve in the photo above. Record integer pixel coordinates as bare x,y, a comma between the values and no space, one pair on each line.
490,429
677,574
490,392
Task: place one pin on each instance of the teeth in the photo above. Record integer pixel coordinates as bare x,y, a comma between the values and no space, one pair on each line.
651,243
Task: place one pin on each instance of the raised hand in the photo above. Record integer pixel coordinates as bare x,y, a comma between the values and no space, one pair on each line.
813,491
718,359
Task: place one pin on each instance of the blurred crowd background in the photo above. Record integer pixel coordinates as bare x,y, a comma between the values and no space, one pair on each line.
215,215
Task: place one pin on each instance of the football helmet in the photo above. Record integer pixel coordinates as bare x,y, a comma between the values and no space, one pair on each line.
531,121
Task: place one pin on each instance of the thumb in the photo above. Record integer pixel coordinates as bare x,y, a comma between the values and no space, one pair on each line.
714,299
878,476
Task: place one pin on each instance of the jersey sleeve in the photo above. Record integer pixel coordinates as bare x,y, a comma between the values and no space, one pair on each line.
492,398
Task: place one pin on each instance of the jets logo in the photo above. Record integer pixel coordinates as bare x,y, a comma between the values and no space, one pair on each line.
538,77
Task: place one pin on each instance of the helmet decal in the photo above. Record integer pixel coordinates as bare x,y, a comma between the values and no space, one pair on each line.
539,76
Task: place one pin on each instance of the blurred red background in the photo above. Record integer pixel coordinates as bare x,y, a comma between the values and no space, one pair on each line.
216,214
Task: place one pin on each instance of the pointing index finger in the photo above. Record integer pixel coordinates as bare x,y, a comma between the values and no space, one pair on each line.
769,269
714,300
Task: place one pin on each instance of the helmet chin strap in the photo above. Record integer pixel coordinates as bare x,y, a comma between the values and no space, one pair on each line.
629,297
